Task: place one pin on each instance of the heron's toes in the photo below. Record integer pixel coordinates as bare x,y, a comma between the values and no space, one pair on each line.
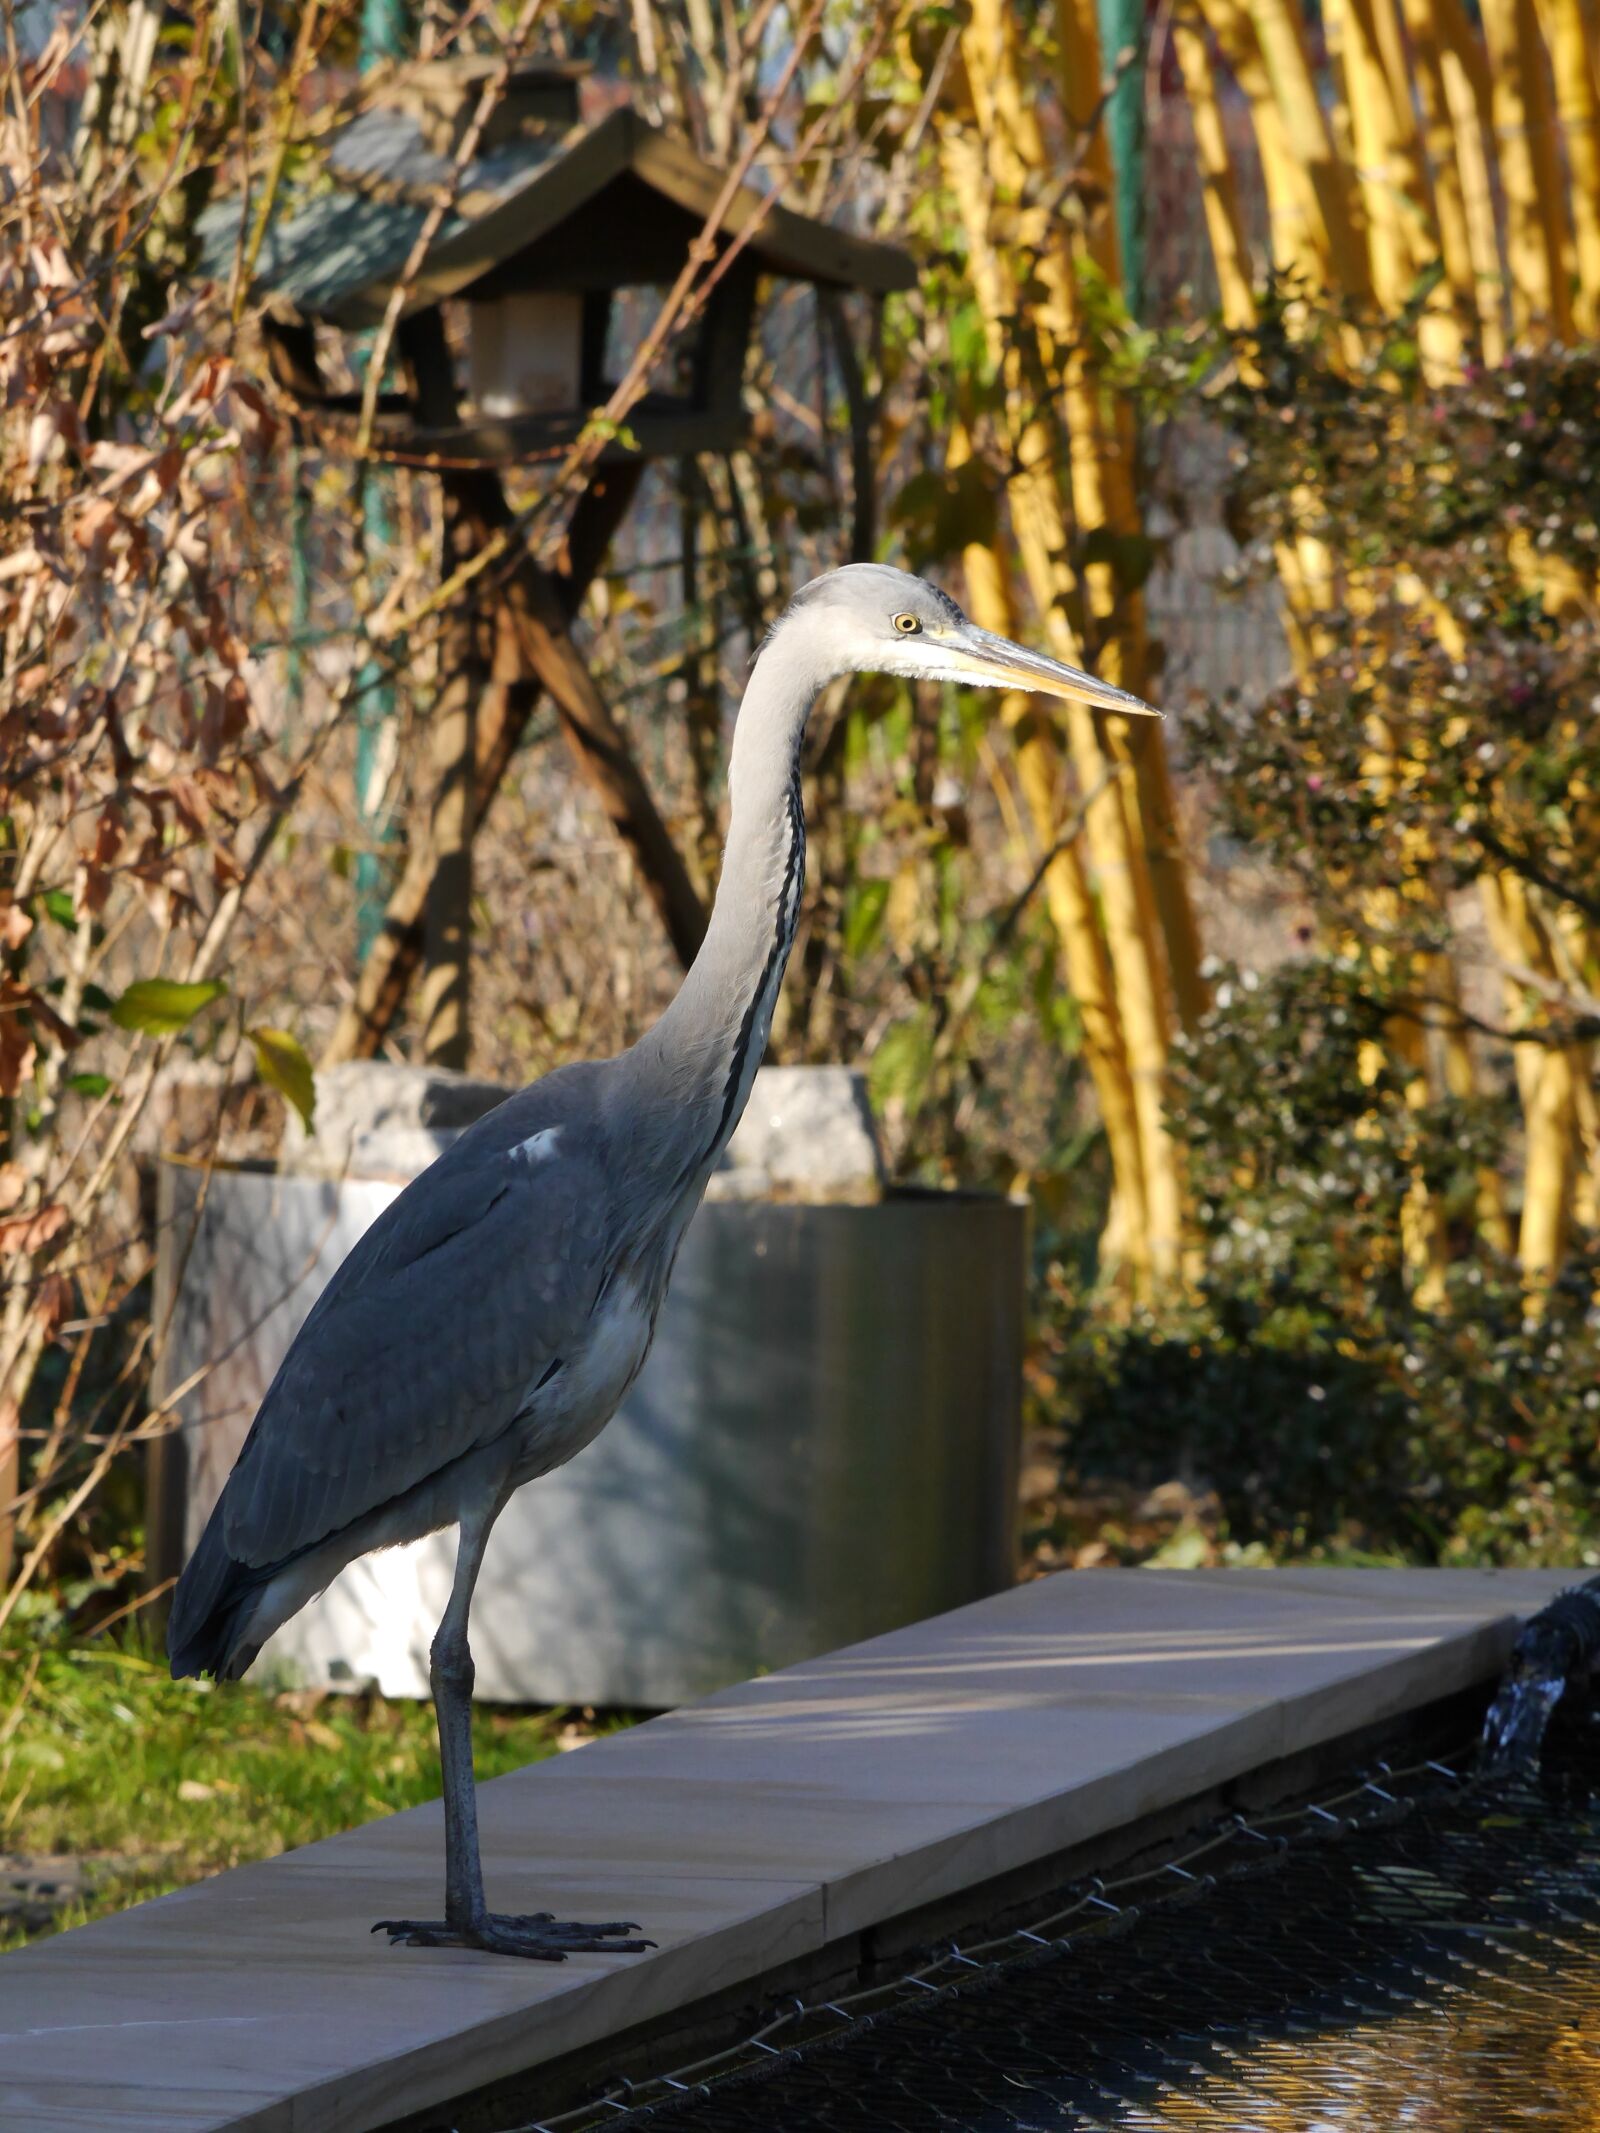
536,1936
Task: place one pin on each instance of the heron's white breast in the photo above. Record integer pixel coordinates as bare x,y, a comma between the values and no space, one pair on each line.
561,1417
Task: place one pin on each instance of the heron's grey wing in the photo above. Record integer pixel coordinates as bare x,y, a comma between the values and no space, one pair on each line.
478,1279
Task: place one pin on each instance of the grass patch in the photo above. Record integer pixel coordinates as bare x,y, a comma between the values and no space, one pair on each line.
155,1783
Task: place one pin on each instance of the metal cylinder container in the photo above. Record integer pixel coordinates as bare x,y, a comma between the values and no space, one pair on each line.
822,1445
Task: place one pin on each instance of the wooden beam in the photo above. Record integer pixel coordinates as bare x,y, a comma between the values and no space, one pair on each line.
663,427
601,749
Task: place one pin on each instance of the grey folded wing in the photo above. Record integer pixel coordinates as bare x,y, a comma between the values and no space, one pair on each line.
477,1281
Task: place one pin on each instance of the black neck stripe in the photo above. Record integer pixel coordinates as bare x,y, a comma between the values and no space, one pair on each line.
783,937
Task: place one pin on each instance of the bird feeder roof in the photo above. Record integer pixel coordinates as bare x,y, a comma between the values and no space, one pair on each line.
548,202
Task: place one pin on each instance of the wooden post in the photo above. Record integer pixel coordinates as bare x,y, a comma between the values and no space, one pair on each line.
463,673
447,922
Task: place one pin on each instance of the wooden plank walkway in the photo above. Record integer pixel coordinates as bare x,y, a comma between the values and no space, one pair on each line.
743,1831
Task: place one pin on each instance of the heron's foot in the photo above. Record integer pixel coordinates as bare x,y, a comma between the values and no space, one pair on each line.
538,1936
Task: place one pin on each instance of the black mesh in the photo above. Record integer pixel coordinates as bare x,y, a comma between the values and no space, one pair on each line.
1422,1952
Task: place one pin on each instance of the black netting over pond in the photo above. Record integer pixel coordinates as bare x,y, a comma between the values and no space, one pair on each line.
1420,1948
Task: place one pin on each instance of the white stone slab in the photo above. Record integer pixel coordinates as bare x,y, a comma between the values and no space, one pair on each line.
742,1832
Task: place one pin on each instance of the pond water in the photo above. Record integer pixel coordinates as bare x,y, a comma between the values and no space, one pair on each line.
1435,1967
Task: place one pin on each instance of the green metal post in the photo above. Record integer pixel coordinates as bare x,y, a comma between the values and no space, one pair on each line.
383,37
299,585
1122,27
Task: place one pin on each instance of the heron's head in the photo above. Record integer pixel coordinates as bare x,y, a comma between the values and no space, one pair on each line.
875,620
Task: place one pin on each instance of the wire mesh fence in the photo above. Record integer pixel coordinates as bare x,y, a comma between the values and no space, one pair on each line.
1416,1947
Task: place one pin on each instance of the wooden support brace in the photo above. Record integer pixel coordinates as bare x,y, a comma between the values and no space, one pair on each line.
503,713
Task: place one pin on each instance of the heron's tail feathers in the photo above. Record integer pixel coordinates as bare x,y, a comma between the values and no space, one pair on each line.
212,1608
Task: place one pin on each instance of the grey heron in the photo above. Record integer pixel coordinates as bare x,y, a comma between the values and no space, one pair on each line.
487,1325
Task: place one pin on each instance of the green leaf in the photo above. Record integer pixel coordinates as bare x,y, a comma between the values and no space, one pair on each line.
89,1084
901,1063
58,905
160,1007
863,920
282,1063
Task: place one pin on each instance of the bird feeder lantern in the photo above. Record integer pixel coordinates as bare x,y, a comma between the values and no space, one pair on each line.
562,237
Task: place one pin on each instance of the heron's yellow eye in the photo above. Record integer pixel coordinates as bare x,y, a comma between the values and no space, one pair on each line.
907,625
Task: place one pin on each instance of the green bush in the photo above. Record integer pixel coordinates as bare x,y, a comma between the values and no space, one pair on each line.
1302,1381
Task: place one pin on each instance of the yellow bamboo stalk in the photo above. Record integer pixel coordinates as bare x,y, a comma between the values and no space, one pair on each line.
1395,181
1439,146
1219,187
1501,897
1101,448
1070,903
1545,1081
1300,570
1461,1082
1337,103
1586,1180
1529,170
1397,71
1573,945
1548,1172
1469,95
1572,58
1080,85
1589,14
1298,241
1378,151
1424,1230
1281,34
1041,525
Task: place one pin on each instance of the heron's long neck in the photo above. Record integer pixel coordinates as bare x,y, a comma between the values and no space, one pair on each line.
708,1044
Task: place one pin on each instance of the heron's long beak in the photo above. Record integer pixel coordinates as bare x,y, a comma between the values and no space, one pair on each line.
995,662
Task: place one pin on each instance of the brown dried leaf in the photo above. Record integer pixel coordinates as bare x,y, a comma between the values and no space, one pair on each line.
91,886
210,375
256,419
119,461
53,1301
17,1051
109,832
62,1031
180,316
160,478
92,525
190,804
31,1233
42,435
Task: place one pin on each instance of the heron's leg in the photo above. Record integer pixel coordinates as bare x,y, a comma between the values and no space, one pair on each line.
468,1922
451,1674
